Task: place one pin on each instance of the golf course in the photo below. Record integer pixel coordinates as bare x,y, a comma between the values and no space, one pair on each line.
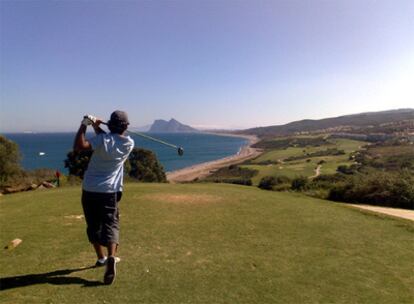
276,161
206,243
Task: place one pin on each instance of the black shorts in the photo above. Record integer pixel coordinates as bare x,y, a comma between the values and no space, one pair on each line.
102,216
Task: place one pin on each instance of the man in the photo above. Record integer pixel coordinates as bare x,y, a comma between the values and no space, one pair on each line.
102,185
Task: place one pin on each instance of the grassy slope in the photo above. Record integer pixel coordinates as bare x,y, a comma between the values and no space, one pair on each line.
209,243
301,167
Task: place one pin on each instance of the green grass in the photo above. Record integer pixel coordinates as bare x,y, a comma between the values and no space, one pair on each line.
291,170
347,145
281,154
207,243
296,168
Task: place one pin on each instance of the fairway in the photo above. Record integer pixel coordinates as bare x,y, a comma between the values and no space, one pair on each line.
206,243
305,166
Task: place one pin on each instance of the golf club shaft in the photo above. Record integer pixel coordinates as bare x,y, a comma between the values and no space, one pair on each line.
153,139
149,137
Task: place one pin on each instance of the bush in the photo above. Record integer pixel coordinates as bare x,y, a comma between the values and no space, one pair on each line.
145,167
267,183
344,169
267,162
283,143
282,179
274,183
142,165
299,183
9,159
232,173
383,189
236,181
77,162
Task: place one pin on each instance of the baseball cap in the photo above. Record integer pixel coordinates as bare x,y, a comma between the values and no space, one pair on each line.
119,118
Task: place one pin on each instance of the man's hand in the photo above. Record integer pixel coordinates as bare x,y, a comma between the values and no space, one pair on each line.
96,126
97,122
89,120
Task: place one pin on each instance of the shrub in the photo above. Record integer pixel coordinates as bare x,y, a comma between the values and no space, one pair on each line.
384,189
281,187
9,159
283,143
142,165
345,169
299,183
145,166
330,178
282,179
266,162
77,162
274,183
232,172
238,181
267,183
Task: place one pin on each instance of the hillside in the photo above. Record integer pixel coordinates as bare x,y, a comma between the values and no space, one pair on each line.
172,126
206,243
363,122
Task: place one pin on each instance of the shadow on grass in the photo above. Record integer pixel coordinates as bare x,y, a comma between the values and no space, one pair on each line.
57,277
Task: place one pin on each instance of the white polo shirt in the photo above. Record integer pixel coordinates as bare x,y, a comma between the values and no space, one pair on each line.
106,168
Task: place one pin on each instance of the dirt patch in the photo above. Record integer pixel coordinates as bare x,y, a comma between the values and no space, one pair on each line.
76,217
184,198
402,213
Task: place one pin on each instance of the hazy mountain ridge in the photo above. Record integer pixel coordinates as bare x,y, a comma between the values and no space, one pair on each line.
379,122
172,126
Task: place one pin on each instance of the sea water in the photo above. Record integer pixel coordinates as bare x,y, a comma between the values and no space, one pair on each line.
49,150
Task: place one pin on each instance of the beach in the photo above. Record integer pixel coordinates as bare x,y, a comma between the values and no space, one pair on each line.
202,170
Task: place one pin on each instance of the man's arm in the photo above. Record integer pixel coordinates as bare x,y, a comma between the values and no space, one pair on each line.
80,140
97,128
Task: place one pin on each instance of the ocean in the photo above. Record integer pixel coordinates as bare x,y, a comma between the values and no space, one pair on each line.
49,150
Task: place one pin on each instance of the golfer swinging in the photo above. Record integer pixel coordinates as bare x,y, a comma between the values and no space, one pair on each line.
102,185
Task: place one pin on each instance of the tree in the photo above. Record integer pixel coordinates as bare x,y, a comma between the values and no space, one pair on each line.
9,159
77,162
144,166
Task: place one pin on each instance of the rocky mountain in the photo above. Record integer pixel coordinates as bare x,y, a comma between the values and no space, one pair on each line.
172,126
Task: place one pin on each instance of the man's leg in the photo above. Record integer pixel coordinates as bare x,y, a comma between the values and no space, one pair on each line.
99,249
110,271
91,203
112,249
110,234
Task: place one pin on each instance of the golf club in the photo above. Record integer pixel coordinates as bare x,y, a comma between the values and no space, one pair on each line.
180,150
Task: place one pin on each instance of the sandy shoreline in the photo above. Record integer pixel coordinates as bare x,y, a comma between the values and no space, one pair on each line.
204,169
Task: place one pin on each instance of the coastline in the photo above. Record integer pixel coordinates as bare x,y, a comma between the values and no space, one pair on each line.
189,174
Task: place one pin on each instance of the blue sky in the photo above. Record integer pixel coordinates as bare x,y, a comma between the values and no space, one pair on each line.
224,64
